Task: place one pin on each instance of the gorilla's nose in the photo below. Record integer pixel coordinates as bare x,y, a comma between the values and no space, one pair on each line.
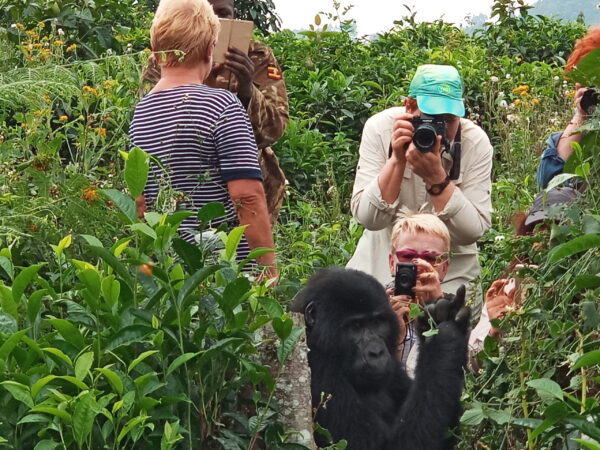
375,352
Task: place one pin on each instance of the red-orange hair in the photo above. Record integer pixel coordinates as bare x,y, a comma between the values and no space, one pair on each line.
583,46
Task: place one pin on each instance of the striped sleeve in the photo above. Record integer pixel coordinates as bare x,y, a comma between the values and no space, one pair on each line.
237,153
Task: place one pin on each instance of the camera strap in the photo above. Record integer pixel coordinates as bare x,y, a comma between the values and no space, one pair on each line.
455,152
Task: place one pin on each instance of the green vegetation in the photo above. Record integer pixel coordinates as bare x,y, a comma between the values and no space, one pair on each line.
114,333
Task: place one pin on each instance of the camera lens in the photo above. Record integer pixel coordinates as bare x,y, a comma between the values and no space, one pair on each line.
424,137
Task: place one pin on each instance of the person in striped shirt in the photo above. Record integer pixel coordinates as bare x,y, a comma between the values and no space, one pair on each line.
201,136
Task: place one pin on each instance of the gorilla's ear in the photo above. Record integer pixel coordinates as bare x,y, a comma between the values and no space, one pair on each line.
310,315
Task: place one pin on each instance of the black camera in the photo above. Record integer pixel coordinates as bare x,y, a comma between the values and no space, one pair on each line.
427,128
406,279
589,100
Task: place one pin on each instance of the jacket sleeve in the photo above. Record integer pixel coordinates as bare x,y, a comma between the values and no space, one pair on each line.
368,207
268,107
468,212
551,164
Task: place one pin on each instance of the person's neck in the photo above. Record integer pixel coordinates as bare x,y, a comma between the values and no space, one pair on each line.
181,75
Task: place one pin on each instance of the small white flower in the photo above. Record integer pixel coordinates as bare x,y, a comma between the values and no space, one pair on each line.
14,25
508,76
501,94
60,32
512,118
109,52
503,104
494,79
130,45
556,78
499,238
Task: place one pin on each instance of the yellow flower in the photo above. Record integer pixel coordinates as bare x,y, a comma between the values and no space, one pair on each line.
535,101
58,42
109,84
518,102
32,33
71,47
20,26
89,194
41,24
63,118
37,45
101,131
147,50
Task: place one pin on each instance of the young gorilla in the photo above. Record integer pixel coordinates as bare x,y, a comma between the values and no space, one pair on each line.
352,335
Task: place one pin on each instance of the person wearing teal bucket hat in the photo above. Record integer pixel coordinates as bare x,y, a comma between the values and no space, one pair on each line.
450,178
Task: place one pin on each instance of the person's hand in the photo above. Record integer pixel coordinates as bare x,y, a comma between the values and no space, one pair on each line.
580,114
427,165
498,299
401,306
242,67
428,287
402,133
270,275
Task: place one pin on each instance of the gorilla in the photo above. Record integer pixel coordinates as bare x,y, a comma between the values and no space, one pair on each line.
360,391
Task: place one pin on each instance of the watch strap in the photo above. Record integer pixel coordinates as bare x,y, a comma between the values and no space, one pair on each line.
438,188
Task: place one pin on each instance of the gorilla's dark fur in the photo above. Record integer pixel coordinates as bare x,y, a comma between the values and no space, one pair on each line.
352,334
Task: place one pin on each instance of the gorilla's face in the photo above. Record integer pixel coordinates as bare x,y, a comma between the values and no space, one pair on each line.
367,337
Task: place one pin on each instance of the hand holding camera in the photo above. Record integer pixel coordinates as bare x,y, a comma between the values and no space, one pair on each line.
417,280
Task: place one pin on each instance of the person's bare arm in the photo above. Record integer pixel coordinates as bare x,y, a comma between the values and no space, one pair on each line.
248,197
564,148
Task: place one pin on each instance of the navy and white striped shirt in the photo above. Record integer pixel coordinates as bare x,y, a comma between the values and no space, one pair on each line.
203,139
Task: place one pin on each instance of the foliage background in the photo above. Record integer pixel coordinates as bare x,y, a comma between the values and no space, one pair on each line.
69,80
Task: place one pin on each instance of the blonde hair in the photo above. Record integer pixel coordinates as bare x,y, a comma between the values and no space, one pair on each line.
421,223
183,26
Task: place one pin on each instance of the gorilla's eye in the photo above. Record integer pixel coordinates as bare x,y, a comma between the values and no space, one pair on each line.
356,325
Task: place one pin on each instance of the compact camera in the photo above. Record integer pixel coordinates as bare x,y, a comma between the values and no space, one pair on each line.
589,100
406,279
427,128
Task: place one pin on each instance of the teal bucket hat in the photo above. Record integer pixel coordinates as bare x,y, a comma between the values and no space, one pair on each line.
438,90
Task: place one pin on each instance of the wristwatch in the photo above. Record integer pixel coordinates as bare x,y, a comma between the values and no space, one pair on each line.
437,189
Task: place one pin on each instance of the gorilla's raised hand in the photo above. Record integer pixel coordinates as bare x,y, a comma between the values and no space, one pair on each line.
447,311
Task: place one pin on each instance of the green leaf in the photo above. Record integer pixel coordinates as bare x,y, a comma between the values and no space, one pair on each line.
130,426
282,327
58,353
124,202
46,445
587,282
39,384
53,412
25,277
69,332
545,388
91,280
574,246
111,289
182,359
211,211
9,345
558,180
129,335
8,267
113,379
19,391
287,346
91,240
234,293
113,262
34,305
6,301
233,240
271,306
189,253
587,444
83,365
63,244
84,415
140,358
136,171
194,281
588,428
144,229
587,360
586,71
472,417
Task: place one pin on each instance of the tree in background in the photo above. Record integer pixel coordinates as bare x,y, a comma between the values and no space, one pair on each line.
261,12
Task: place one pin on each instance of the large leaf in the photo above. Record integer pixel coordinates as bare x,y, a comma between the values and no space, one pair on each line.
19,392
587,360
113,379
192,282
53,412
83,417
189,253
124,202
83,365
586,71
8,267
574,246
113,262
129,335
140,358
182,359
25,277
546,387
136,171
287,346
8,345
69,332
233,240
211,211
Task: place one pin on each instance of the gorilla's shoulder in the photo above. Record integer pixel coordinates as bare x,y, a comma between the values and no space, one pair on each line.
346,287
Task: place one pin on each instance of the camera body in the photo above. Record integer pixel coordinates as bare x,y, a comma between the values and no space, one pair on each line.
427,128
405,279
589,100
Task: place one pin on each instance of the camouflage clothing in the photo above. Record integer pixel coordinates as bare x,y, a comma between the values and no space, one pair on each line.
268,112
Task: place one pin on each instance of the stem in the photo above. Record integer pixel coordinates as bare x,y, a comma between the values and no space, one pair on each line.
583,376
524,405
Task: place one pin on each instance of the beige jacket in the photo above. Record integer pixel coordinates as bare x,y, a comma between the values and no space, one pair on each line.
467,214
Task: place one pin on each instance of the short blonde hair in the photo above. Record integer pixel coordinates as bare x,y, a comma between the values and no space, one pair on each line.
183,26
421,223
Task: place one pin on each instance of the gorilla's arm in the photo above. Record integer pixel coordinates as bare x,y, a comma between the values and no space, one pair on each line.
432,406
